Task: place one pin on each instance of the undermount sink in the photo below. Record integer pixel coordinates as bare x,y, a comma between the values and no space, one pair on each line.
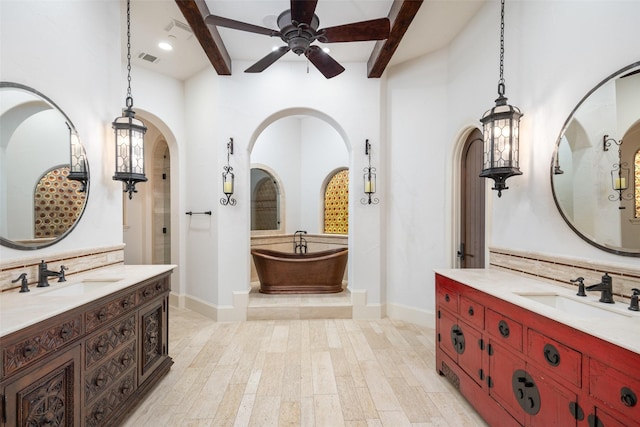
79,288
576,306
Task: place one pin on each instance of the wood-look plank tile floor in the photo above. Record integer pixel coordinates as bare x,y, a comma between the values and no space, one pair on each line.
318,372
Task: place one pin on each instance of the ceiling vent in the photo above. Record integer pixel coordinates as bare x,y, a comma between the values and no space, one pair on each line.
180,30
149,58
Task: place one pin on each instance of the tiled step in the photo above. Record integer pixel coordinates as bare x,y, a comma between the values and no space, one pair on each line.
299,306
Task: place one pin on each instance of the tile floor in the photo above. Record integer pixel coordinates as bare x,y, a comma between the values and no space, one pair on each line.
313,372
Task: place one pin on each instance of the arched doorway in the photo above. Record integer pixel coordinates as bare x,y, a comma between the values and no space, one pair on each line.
161,204
147,219
471,248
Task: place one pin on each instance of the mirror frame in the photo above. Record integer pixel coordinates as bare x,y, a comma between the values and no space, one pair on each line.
10,243
587,239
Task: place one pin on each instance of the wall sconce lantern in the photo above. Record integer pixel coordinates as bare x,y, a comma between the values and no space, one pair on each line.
78,170
369,179
501,132
228,179
129,133
619,173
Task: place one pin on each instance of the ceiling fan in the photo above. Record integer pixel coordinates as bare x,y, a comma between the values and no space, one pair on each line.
298,28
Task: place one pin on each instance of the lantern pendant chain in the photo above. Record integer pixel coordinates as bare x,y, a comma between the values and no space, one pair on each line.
129,100
501,81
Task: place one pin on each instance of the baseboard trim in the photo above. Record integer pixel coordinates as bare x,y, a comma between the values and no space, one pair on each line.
412,315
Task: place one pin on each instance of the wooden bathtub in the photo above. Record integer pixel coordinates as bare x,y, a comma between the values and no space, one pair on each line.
312,273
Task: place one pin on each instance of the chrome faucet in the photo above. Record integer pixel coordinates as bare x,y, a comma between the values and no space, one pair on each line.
44,274
605,287
301,245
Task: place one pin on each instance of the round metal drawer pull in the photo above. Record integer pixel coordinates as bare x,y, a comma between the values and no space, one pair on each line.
470,311
551,355
29,350
503,328
446,297
628,397
65,332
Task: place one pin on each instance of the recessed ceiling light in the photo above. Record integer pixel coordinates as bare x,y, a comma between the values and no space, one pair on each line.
326,50
168,43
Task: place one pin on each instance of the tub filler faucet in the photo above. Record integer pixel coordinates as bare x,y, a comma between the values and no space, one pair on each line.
605,287
44,273
299,245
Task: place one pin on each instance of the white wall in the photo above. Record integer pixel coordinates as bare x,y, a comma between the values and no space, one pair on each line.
241,106
555,52
70,51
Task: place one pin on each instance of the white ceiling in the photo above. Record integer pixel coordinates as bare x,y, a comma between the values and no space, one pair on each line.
436,24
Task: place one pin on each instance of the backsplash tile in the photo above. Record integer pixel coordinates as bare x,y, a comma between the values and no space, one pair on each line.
77,261
560,270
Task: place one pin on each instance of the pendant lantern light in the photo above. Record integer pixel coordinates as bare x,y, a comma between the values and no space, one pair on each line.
78,169
501,132
129,134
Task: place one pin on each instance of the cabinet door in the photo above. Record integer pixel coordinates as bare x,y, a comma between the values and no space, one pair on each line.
47,394
599,418
470,359
448,333
503,366
154,336
555,407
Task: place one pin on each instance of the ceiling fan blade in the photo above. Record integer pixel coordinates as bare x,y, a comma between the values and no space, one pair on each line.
262,64
328,66
302,10
237,25
375,29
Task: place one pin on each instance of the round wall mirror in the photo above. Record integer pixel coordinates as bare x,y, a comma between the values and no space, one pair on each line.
44,173
595,169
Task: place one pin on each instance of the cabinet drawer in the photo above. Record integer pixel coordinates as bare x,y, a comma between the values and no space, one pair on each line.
45,341
507,331
152,290
447,298
104,375
558,359
615,388
111,400
103,344
109,311
472,312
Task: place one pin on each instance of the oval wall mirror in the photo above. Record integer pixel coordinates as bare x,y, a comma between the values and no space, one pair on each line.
41,198
595,169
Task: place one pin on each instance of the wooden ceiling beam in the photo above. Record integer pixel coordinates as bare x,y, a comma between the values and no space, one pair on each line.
401,15
194,12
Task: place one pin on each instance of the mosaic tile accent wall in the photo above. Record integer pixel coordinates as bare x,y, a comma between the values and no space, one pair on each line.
560,270
57,203
336,204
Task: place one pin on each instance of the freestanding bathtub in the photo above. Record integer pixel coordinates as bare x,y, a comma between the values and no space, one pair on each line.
312,273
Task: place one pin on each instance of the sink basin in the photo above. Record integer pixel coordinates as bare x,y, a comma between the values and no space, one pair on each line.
576,306
80,288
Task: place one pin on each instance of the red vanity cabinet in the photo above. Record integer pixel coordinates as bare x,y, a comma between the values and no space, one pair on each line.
522,368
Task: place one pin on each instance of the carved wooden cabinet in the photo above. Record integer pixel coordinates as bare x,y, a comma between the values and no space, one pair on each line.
518,368
89,366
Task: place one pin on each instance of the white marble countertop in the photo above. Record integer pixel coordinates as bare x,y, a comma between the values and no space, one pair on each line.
622,330
20,310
